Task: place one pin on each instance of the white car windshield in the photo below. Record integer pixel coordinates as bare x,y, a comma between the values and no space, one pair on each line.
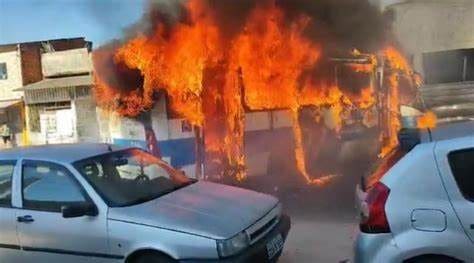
131,177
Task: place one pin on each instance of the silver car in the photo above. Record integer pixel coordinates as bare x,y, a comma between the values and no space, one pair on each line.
101,203
422,208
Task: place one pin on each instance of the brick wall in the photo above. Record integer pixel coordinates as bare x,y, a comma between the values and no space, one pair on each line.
31,63
31,56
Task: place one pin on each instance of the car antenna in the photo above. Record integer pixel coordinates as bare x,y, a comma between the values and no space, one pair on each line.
363,184
430,134
109,147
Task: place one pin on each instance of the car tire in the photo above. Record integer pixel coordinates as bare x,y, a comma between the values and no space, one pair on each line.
153,257
433,259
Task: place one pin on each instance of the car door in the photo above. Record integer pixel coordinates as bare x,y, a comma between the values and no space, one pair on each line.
9,245
456,163
44,234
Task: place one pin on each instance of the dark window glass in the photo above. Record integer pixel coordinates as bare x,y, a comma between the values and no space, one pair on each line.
462,166
449,66
6,173
470,65
48,186
3,71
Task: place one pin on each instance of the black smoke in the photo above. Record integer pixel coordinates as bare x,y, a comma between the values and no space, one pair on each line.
338,25
342,24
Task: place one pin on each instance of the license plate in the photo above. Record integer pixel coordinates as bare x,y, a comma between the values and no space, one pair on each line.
274,246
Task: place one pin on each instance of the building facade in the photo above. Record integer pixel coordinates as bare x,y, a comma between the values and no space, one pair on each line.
438,37
19,66
46,91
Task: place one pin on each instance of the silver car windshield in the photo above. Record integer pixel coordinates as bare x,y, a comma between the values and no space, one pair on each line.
131,177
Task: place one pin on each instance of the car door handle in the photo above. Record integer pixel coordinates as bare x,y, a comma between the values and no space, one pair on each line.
25,219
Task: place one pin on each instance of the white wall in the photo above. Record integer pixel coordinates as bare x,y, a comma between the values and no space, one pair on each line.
282,119
68,62
256,121
126,128
113,126
87,128
64,121
14,79
266,120
433,25
159,120
175,130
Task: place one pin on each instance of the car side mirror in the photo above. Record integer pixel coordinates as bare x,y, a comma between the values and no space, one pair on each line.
79,210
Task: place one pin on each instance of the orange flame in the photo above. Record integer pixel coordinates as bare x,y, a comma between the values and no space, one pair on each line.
400,68
300,156
427,121
210,80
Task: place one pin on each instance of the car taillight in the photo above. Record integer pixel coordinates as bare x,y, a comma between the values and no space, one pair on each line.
376,220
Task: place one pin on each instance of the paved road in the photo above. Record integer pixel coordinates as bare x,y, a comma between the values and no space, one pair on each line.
323,218
324,224
319,240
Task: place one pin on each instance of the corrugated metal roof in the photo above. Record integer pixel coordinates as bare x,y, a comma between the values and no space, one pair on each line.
75,81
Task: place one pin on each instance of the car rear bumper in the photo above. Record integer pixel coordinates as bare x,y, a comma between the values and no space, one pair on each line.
371,248
258,251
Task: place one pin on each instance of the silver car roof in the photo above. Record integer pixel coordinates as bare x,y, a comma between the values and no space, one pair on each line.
448,131
64,153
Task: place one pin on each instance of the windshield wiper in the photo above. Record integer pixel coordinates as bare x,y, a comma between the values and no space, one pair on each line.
139,201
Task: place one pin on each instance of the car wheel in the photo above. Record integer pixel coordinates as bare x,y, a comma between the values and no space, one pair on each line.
152,257
433,259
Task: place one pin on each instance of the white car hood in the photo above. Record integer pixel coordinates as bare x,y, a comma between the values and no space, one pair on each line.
203,208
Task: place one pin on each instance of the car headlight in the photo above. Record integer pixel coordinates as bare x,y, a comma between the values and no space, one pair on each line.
233,245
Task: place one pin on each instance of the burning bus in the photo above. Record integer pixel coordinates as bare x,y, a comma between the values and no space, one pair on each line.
229,104
373,114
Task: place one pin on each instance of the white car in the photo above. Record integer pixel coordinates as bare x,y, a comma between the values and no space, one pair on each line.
422,208
101,203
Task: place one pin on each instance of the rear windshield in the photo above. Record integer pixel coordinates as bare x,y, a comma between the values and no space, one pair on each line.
381,167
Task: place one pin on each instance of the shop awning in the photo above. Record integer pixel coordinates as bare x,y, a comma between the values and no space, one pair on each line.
64,82
7,103
4,104
57,89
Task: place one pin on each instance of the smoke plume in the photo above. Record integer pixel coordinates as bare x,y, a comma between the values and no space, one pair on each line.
339,24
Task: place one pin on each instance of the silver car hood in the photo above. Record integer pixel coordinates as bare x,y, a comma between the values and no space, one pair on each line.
203,208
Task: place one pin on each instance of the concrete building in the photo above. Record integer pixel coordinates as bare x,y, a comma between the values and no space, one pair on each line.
10,102
51,83
438,36
18,67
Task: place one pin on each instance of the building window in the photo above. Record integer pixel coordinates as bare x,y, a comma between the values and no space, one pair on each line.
449,66
3,70
186,126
